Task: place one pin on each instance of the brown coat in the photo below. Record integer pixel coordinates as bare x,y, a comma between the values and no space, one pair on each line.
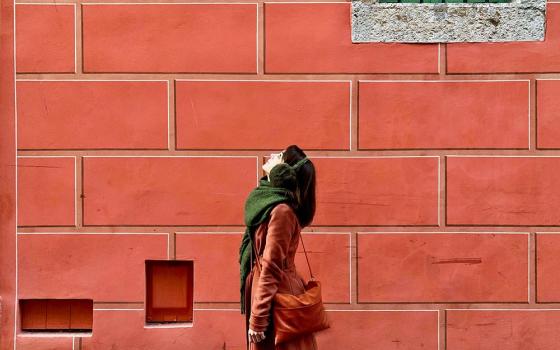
277,239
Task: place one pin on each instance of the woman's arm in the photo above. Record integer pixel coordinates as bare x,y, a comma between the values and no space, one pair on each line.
280,228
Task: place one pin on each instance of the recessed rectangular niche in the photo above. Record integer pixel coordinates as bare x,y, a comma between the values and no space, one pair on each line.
56,315
169,291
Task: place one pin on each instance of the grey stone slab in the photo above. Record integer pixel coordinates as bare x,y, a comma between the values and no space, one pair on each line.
519,20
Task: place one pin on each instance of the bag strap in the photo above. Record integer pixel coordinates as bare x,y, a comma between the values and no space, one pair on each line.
308,265
306,258
260,266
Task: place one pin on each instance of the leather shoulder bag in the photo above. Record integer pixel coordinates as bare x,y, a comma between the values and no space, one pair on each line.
297,315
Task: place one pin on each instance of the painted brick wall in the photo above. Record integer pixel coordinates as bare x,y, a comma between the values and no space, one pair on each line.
141,128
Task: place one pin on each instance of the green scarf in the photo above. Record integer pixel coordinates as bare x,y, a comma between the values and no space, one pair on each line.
261,200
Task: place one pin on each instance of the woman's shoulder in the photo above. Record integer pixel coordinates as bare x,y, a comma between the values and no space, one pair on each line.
285,210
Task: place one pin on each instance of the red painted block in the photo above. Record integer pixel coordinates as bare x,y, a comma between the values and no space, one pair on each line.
510,57
33,314
44,343
548,112
503,190
167,190
503,329
58,314
102,267
216,266
46,191
548,262
81,314
212,329
316,38
380,329
443,114
454,267
92,114
172,38
329,257
45,38
217,114
377,191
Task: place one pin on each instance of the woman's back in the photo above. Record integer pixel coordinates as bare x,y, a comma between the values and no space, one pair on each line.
276,240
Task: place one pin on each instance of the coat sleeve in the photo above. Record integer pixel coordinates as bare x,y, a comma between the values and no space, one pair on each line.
279,232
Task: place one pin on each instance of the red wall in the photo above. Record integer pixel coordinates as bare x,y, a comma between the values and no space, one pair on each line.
141,128
8,172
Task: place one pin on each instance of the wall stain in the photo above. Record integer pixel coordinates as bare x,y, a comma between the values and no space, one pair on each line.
458,261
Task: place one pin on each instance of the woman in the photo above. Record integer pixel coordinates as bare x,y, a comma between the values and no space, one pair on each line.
275,213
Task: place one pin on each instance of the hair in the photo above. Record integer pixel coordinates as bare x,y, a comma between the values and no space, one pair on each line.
305,191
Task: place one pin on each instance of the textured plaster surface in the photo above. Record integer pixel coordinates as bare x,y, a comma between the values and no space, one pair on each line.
519,20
